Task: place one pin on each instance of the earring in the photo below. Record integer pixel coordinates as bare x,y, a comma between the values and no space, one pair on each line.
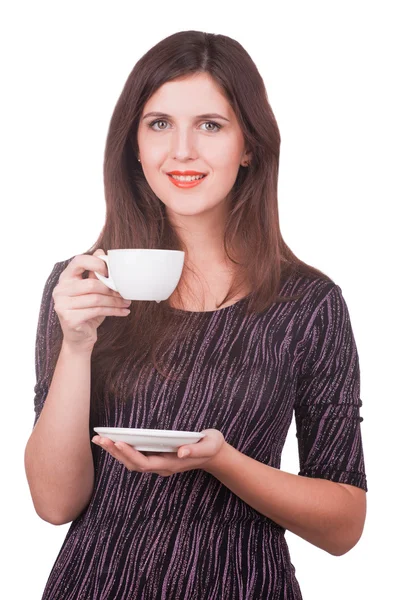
139,159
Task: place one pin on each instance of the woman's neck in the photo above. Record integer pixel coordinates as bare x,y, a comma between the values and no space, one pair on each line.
207,287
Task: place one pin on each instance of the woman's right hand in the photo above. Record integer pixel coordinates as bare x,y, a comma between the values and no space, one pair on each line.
83,304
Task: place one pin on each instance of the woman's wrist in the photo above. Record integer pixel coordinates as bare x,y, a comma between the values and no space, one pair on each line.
70,348
218,462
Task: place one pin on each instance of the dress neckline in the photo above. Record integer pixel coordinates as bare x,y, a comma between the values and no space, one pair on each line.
210,312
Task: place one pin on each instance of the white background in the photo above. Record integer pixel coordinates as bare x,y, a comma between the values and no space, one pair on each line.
331,74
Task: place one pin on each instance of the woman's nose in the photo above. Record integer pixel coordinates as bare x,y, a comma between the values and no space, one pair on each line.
183,145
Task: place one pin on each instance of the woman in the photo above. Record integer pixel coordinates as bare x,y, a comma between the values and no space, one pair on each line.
250,336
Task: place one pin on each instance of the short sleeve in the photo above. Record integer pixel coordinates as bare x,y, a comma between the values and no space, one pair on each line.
327,404
48,341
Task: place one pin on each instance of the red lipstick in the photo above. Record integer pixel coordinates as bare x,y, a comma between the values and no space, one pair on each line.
186,184
185,173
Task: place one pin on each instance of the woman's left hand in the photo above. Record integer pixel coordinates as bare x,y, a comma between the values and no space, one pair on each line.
199,455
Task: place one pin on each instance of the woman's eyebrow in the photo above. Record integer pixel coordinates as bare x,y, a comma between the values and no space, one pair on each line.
205,116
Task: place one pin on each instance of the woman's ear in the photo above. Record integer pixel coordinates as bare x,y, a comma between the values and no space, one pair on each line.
246,159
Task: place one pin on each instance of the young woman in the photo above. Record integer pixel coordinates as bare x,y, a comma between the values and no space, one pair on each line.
250,337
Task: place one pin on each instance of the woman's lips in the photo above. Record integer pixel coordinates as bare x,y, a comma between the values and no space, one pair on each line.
186,184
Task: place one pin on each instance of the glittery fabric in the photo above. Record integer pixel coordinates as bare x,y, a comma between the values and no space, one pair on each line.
187,536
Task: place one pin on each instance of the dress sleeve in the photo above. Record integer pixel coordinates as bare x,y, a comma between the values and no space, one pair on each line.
48,341
327,404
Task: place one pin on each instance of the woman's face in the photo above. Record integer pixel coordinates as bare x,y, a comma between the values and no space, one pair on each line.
184,141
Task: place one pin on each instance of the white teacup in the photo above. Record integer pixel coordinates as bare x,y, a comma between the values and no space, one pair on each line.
143,274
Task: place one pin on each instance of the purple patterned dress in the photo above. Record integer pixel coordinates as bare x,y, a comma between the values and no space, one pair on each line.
187,536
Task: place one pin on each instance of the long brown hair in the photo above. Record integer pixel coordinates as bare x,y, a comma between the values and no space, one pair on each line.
136,218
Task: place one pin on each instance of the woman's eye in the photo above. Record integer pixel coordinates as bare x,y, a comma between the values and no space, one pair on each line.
154,122
216,126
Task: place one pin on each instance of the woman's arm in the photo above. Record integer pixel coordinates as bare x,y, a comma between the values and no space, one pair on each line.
327,514
58,458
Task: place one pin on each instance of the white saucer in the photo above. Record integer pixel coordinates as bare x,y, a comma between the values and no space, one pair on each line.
150,440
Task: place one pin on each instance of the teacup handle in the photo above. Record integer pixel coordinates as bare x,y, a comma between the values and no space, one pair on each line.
106,280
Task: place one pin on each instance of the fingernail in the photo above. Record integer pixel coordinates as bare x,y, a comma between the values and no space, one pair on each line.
183,453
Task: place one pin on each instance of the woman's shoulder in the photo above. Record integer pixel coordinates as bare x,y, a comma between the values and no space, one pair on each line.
311,289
